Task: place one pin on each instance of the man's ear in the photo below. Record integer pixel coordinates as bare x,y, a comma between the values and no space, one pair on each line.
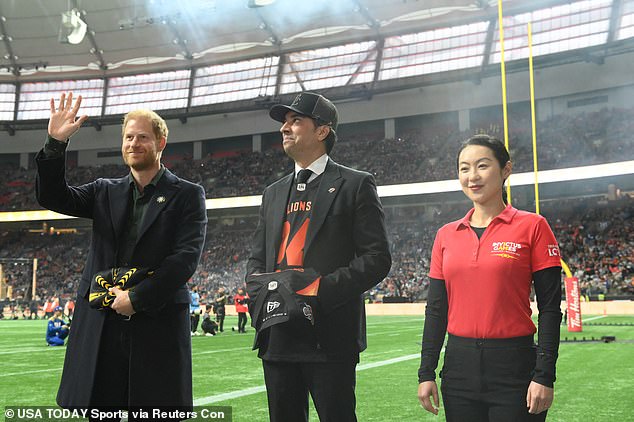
162,143
323,132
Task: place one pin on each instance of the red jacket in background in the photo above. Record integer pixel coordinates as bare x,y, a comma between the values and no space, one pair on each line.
241,302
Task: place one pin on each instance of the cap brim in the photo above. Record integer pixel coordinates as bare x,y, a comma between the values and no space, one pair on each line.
278,112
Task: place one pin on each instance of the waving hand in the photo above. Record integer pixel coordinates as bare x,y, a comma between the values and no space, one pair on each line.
64,122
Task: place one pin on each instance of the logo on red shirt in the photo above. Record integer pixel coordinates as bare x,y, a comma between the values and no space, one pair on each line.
553,250
508,250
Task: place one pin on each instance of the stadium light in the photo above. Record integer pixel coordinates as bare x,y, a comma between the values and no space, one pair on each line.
72,29
259,3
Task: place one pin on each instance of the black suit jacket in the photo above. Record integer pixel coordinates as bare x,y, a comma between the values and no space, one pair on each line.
170,242
346,243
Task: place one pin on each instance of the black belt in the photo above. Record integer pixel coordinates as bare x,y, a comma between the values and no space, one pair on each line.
112,315
524,341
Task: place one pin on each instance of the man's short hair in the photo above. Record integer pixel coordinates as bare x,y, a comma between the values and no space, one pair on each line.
159,127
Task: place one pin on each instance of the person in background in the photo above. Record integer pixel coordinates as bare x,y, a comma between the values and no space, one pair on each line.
34,306
194,310
57,329
220,301
208,325
482,270
241,299
70,308
48,308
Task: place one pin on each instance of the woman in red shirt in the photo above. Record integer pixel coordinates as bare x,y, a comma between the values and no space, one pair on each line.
482,269
241,300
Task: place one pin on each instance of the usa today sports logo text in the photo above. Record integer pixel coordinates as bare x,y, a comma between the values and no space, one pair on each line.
52,414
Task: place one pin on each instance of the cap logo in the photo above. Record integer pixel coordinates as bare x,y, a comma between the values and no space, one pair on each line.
271,306
298,100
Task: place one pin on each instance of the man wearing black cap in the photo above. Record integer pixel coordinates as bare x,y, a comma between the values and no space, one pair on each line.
322,229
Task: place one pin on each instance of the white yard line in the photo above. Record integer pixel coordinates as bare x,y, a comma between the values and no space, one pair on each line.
401,330
31,372
261,388
222,351
33,350
380,363
404,321
371,354
230,395
592,318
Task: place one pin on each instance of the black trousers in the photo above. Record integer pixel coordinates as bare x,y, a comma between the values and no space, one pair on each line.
111,381
194,318
111,388
487,379
220,318
242,322
110,391
331,385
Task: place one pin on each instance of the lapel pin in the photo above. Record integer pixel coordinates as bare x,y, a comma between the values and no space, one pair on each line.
160,199
331,190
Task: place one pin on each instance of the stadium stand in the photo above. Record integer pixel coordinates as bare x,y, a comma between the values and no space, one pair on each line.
596,238
564,141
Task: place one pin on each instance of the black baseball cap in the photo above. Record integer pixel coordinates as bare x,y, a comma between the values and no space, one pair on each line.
309,104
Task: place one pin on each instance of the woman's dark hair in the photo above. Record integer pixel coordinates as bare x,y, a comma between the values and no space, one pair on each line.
494,144
500,152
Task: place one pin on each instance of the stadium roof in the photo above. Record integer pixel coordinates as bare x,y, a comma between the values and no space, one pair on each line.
200,57
132,36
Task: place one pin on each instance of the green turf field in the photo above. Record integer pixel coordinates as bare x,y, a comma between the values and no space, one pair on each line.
595,380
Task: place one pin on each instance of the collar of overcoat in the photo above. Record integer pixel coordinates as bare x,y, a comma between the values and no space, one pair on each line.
119,199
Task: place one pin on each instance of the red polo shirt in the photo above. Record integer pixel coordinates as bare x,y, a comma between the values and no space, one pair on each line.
488,280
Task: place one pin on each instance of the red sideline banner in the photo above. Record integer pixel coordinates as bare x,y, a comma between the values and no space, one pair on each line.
573,305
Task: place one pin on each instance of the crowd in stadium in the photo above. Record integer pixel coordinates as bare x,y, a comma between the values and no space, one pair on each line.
564,141
597,240
598,244
596,237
